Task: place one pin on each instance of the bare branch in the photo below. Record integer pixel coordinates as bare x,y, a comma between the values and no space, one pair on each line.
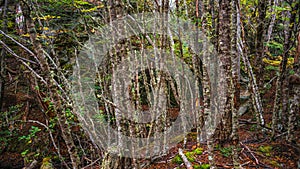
22,61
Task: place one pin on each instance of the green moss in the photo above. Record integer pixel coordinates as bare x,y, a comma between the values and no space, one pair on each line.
266,150
177,159
274,163
198,151
202,166
190,156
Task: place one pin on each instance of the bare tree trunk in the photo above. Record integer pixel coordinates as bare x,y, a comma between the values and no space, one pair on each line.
2,57
259,40
235,102
255,95
294,89
225,65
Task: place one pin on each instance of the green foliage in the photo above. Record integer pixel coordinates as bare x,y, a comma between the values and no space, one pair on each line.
32,134
276,46
190,156
226,151
272,68
198,151
291,72
5,138
7,125
253,127
202,166
266,150
26,153
70,116
275,163
268,86
177,159
99,118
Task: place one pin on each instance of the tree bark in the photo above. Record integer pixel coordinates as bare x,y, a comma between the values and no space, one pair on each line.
225,85
2,57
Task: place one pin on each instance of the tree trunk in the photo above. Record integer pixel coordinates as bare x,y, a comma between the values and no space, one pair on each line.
235,59
294,90
2,57
225,85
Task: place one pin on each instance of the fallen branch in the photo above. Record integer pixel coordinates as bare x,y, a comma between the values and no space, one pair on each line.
252,155
32,165
94,162
185,160
246,163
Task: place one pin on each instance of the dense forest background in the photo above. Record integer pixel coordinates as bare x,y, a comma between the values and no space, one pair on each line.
250,83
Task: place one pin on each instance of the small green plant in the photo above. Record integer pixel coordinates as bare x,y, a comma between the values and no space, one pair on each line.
198,151
268,86
190,156
275,163
177,159
291,72
8,129
226,151
272,68
24,153
253,127
265,149
202,166
32,134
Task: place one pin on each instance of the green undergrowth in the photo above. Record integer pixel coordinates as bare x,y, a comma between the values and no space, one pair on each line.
202,166
190,155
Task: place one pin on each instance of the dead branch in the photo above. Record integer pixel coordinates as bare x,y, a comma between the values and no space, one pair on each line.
32,165
252,155
185,160
94,162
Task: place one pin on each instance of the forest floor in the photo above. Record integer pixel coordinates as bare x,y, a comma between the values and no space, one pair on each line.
256,150
253,153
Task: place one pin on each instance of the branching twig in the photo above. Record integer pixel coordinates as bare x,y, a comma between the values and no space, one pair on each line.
8,49
22,46
91,163
32,165
52,139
